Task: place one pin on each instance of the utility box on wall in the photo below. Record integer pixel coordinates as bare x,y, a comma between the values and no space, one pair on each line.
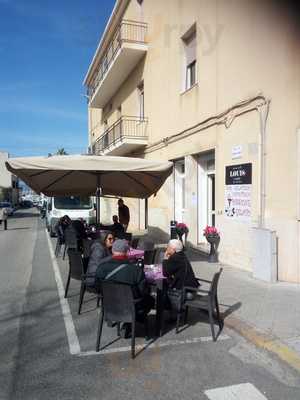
264,254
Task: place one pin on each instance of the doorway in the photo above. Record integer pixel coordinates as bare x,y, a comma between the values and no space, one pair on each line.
206,192
179,190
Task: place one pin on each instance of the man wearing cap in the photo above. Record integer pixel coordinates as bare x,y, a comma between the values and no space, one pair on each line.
129,274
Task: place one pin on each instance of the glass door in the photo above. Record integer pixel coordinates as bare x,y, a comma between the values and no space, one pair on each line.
211,212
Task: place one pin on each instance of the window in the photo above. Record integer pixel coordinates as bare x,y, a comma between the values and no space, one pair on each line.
141,94
105,138
190,58
191,75
119,112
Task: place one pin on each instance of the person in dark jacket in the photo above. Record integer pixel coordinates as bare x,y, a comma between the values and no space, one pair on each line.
130,274
177,268
117,228
60,228
100,252
124,214
81,234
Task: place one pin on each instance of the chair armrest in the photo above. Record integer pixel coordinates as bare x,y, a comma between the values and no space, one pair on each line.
203,291
137,300
189,288
90,275
203,280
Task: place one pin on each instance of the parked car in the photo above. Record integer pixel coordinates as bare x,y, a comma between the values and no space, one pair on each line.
9,208
26,204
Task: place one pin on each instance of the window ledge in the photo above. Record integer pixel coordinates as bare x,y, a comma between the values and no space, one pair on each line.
189,89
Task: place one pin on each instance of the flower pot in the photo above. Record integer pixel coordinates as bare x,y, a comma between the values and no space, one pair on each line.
214,241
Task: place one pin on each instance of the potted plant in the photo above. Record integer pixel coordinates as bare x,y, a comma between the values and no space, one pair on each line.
213,237
182,229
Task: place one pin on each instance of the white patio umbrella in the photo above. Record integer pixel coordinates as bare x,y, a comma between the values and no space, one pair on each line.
88,174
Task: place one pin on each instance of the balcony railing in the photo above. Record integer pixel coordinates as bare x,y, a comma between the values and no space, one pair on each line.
123,128
127,32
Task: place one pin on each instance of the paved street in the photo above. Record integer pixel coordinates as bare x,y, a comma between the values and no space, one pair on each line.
47,350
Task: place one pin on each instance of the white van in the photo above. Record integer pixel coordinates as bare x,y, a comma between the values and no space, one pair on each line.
73,206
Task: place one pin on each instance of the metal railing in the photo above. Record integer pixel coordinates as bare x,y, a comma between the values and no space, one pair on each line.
127,31
124,127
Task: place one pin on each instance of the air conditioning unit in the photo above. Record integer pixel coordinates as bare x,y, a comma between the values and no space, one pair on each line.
264,254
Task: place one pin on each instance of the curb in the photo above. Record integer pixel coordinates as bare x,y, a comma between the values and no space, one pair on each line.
264,341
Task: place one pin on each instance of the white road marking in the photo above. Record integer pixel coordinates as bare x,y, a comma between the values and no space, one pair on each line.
73,341
245,391
153,345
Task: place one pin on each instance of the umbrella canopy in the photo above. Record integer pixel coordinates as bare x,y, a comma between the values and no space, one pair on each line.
83,174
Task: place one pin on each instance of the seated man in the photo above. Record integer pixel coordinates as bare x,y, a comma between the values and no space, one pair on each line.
117,228
129,274
177,268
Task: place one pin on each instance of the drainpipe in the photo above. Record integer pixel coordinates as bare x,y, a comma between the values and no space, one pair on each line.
263,110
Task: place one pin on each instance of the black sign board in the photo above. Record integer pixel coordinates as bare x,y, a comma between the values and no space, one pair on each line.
239,174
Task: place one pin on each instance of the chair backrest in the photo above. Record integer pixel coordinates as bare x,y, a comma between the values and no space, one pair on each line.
117,302
149,256
214,283
134,243
145,244
128,236
86,244
70,237
159,255
76,264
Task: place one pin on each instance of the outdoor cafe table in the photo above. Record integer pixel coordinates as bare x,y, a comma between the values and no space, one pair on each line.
134,254
155,278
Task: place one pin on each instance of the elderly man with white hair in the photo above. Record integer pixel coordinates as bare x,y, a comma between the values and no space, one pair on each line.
177,268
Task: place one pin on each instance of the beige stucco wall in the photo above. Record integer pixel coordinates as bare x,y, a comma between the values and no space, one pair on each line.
244,48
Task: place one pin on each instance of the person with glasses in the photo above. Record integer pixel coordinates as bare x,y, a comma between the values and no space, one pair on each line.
100,252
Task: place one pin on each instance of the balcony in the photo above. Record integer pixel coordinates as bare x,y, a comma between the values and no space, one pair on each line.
126,49
125,135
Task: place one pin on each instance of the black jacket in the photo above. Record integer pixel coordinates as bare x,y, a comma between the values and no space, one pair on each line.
179,271
130,275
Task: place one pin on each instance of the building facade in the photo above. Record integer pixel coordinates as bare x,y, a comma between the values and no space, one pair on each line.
9,184
214,86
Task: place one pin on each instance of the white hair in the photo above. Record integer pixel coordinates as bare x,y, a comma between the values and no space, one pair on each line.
176,244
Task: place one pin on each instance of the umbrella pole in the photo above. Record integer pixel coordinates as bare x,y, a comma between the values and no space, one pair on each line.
98,194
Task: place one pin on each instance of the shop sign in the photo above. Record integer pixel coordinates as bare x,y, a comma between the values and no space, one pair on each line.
236,152
238,184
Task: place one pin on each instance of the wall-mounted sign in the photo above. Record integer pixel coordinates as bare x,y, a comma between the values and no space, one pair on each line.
236,152
238,191
239,174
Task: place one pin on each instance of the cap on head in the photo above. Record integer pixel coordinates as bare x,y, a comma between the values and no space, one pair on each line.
120,246
176,244
120,201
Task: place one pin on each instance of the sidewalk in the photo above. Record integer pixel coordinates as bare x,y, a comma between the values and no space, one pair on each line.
266,314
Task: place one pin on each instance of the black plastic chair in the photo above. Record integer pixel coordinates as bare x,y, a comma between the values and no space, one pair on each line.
76,269
118,305
59,242
86,285
71,241
159,255
134,243
149,256
203,299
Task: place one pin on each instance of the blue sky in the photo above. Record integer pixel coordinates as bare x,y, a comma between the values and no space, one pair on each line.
46,47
